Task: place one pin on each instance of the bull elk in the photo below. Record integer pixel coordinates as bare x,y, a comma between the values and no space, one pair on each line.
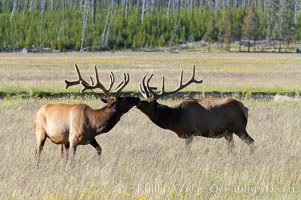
77,124
207,117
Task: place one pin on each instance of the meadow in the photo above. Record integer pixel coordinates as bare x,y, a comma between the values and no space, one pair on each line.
260,72
140,160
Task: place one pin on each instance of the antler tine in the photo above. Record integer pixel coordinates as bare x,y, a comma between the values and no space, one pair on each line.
193,72
191,80
181,78
122,84
143,92
112,81
163,85
193,76
91,79
79,77
97,84
147,84
151,89
143,89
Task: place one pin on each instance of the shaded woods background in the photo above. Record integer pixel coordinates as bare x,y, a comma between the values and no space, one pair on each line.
118,24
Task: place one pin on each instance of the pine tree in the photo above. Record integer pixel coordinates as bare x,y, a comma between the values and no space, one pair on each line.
229,30
250,26
211,34
298,27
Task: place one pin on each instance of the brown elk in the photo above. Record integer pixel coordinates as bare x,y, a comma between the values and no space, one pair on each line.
77,124
207,117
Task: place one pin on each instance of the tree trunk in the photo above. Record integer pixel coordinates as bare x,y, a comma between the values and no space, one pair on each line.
24,6
168,7
105,30
279,48
126,8
63,19
122,8
143,11
209,46
32,5
15,8
93,13
51,5
229,46
41,24
152,6
83,3
73,5
249,46
269,20
85,22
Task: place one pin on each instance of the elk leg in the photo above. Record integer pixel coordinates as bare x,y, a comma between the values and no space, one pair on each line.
229,139
244,136
62,151
95,144
72,152
73,145
188,142
41,138
65,151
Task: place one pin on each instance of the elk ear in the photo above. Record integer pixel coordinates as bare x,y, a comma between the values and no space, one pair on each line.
104,100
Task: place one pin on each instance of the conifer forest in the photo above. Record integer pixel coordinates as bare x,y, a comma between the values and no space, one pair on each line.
93,25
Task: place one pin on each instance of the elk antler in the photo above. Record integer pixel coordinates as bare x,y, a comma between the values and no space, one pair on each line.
71,83
148,92
143,87
98,85
122,84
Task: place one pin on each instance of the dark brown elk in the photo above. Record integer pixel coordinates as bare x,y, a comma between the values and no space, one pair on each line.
77,124
207,117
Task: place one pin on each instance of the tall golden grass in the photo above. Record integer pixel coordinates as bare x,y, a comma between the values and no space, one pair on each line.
142,161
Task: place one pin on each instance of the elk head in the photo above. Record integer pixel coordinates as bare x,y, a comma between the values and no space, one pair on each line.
112,98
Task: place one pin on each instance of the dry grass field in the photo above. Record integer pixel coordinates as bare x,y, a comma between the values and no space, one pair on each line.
140,160
220,71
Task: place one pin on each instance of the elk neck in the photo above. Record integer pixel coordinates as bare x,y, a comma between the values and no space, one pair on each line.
163,116
104,119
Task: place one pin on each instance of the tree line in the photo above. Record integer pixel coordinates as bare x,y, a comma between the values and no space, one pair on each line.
122,24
